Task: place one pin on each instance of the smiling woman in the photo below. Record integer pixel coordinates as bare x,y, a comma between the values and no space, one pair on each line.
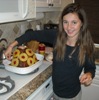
73,51
72,25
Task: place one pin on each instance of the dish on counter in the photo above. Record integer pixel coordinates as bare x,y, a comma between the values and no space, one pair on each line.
25,70
48,50
96,45
49,57
97,61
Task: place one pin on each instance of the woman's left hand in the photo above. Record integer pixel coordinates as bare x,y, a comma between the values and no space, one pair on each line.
86,78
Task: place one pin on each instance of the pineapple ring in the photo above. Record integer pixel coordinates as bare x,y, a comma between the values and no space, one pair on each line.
15,62
34,57
29,52
16,53
23,57
30,61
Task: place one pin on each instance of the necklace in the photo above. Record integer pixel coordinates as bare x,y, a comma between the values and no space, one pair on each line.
70,55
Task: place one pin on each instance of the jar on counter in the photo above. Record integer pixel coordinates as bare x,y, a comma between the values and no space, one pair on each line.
41,48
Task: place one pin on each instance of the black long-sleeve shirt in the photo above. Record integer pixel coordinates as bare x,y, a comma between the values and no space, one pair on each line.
47,36
65,74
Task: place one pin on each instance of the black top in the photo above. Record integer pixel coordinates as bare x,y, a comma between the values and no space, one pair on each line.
65,74
47,36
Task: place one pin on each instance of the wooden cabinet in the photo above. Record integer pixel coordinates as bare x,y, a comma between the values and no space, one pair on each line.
31,12
48,5
90,92
92,9
65,3
56,3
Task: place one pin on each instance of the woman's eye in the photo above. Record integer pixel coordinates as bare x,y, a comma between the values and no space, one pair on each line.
65,22
74,22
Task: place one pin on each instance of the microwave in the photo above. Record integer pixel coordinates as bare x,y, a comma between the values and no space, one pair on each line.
16,10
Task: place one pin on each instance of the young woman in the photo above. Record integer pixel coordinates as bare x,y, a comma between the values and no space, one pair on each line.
73,52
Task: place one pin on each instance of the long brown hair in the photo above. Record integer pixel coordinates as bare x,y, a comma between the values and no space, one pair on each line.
85,41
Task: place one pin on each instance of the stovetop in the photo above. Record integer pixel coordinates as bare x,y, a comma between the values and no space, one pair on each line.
6,85
14,82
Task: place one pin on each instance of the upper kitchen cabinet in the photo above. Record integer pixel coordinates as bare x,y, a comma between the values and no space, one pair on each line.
48,5
65,3
17,10
31,9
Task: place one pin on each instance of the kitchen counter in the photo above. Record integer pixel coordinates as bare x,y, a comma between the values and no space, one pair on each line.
25,85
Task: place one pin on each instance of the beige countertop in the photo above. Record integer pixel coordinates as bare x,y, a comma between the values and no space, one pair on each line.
29,88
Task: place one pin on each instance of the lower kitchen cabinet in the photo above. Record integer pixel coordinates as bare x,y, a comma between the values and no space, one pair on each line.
90,92
44,92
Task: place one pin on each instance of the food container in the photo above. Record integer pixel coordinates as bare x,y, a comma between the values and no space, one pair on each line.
25,70
33,45
49,57
41,48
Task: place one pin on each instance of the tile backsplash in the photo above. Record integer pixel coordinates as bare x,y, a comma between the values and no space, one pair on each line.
12,30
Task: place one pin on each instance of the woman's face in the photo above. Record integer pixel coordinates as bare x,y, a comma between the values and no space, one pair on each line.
72,25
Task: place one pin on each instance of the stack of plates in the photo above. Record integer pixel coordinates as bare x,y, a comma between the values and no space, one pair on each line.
49,57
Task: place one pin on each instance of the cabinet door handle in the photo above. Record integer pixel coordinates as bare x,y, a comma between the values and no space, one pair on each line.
47,85
51,4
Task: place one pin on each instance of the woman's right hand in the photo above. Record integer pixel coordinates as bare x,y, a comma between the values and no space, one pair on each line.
8,52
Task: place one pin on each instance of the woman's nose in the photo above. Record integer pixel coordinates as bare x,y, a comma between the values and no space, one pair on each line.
69,26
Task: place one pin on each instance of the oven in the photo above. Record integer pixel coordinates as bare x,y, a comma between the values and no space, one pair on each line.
44,92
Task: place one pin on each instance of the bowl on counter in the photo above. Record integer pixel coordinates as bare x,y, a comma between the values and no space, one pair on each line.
49,57
24,70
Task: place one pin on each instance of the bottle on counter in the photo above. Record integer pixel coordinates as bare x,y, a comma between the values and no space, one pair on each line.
41,48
